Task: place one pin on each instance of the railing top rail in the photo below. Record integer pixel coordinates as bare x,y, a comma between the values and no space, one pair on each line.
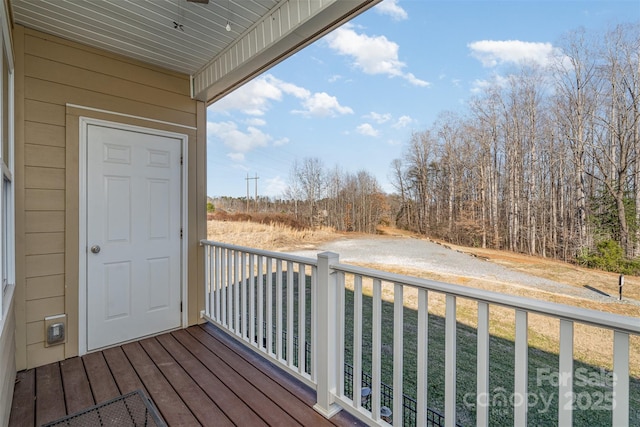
271,254
561,311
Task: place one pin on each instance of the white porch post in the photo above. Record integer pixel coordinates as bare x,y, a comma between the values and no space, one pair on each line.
326,345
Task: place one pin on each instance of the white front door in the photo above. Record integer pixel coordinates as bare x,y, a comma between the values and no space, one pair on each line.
133,235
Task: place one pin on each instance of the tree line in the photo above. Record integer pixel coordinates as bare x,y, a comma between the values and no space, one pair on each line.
321,197
544,161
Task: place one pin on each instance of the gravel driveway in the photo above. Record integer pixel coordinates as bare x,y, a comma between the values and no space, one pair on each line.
428,256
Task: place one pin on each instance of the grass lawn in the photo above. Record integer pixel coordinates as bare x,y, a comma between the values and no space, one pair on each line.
592,384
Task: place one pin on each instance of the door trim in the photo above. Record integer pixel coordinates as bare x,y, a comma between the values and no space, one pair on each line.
85,122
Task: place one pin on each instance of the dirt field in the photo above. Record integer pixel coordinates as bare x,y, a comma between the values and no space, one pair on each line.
579,286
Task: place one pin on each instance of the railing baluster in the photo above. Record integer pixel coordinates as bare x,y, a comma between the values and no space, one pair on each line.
565,371
207,281
252,299
260,320
340,316
290,315
244,277
302,317
226,291
398,352
376,349
422,357
450,362
620,379
218,283
269,328
482,375
236,292
357,341
521,368
279,309
314,323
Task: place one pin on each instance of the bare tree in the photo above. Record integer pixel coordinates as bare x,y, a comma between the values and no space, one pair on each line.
575,99
308,180
400,182
420,157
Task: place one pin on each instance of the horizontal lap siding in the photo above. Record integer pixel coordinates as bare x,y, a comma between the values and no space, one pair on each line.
7,366
58,72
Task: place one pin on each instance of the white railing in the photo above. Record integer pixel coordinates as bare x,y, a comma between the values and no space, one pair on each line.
259,297
249,287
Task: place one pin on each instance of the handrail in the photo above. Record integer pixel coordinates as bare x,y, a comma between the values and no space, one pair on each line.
561,311
261,252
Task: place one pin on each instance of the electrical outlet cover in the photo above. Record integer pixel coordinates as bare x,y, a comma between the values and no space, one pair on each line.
55,330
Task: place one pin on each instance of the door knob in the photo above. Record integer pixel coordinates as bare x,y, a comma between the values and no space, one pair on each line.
95,249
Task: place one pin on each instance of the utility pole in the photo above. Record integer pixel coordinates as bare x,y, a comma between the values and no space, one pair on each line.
247,209
256,178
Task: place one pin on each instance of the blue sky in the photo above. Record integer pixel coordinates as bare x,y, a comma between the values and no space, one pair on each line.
353,98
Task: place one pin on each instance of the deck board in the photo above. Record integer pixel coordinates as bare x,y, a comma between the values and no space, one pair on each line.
103,386
50,398
173,409
74,378
123,373
228,403
23,410
195,376
280,395
194,397
261,404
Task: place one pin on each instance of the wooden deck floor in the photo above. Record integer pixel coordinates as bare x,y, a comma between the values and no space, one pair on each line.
195,376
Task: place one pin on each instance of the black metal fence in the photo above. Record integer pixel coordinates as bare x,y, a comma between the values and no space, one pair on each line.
409,404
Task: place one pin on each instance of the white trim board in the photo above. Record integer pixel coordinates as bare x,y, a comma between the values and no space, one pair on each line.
131,116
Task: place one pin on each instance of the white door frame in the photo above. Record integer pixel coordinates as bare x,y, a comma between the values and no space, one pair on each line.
85,122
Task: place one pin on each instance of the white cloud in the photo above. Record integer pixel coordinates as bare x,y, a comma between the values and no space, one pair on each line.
367,129
255,97
291,89
492,53
403,122
378,118
280,142
414,80
372,55
496,80
391,8
321,104
236,157
255,121
275,186
238,141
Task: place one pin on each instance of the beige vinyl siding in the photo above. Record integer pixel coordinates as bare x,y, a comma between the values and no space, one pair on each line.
7,365
53,77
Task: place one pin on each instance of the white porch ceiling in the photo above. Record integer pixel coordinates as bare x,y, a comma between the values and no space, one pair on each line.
190,37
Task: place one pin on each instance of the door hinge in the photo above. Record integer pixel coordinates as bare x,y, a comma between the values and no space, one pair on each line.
181,232
180,306
181,160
